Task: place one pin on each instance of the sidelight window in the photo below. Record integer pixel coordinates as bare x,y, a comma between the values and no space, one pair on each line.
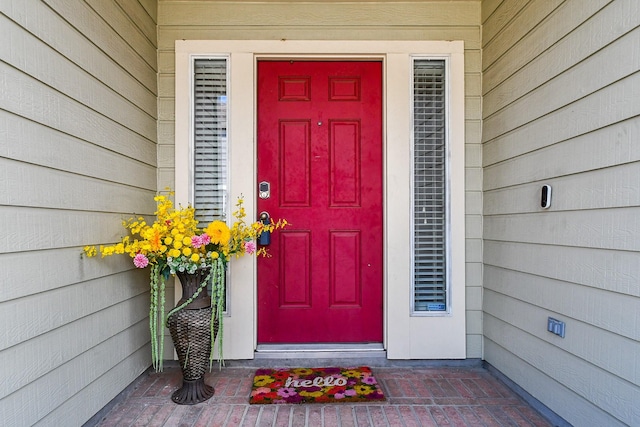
210,143
430,193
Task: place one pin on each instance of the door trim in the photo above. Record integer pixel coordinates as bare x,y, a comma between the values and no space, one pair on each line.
405,336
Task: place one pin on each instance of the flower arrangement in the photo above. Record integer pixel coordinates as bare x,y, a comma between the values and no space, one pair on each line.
174,243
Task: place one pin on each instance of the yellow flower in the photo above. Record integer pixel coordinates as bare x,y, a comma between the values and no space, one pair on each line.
219,232
186,241
352,374
177,244
186,251
262,380
90,251
215,255
195,257
174,253
168,240
363,389
311,393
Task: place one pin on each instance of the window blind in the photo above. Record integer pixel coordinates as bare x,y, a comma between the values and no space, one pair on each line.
210,155
429,195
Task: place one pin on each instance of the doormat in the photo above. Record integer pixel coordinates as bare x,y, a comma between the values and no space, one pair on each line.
315,385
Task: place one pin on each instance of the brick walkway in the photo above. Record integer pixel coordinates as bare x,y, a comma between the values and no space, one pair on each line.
416,396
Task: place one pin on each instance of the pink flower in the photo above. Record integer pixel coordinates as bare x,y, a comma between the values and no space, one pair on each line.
196,241
250,247
140,261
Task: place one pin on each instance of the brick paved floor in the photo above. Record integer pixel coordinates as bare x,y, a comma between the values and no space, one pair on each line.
416,396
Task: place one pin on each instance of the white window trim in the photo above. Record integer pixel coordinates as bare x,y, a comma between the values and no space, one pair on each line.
406,336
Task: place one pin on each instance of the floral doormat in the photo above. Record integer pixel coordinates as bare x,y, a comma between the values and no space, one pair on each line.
315,385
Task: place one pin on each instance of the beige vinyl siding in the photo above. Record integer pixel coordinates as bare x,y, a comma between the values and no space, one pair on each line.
560,107
77,155
317,20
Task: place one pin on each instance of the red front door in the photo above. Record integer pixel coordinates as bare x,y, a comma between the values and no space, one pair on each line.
320,151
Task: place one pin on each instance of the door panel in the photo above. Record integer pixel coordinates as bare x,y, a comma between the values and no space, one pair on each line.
320,148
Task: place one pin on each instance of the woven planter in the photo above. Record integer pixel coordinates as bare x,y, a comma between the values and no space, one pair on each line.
191,332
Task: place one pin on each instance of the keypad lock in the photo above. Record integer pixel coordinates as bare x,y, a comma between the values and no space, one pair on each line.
264,190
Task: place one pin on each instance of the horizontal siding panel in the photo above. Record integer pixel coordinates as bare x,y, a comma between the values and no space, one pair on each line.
199,13
106,387
166,62
473,249
473,108
139,16
607,270
168,34
593,384
606,27
473,226
39,229
86,404
151,7
505,56
473,83
472,63
600,189
472,149
542,385
620,356
166,85
474,322
473,202
166,134
601,229
580,81
87,332
127,29
473,299
473,179
166,156
31,316
20,137
489,7
473,275
48,66
55,189
610,311
54,31
48,107
609,152
58,386
166,109
49,275
85,20
581,117
474,346
515,22
166,177
500,15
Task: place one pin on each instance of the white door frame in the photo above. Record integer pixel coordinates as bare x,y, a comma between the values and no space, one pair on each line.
406,336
